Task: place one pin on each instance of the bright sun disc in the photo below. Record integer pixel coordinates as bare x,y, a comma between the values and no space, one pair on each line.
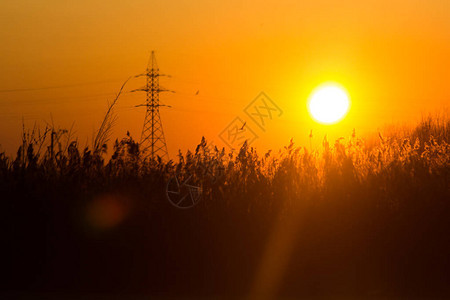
328,103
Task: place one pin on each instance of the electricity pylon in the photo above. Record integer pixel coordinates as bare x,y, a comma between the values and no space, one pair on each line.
152,137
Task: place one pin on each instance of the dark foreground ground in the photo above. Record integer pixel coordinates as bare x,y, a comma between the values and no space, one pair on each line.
352,226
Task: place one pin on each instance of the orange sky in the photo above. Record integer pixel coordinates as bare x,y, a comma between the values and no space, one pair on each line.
392,57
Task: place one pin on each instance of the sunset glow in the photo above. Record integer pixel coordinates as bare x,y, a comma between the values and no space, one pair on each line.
225,149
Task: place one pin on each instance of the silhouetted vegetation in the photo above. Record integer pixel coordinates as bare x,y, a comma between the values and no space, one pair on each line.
370,221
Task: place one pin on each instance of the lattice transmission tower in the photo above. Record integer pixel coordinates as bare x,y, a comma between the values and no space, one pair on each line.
152,137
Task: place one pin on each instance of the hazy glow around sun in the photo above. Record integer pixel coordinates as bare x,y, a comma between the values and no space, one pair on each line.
328,103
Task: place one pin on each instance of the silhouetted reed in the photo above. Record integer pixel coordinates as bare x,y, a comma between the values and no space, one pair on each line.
374,220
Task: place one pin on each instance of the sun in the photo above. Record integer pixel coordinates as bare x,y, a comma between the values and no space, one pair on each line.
328,103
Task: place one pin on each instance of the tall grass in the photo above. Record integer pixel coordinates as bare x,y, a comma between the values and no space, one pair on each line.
374,220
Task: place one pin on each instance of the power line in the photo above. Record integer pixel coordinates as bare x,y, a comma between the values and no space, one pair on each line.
55,86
